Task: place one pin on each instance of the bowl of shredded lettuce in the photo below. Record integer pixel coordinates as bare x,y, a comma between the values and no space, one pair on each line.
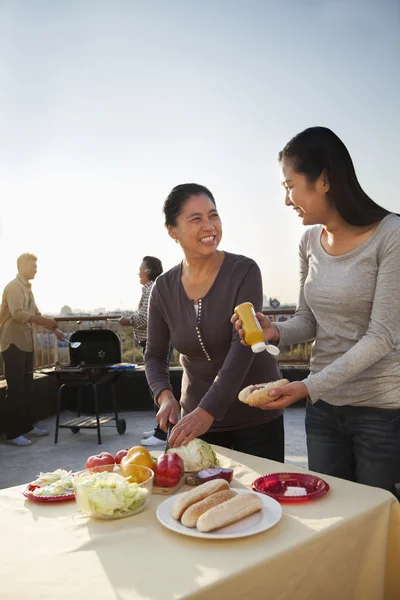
108,495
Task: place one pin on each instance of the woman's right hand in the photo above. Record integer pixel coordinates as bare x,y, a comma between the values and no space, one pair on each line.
270,330
168,411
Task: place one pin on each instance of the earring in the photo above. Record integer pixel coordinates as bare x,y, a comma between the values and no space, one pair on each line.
176,242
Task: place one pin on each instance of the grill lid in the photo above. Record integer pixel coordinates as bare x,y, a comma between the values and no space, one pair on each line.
98,347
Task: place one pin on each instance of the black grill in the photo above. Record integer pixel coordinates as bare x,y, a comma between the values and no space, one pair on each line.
98,347
96,361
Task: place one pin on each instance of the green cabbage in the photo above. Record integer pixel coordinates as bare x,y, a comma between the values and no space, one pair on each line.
109,494
197,455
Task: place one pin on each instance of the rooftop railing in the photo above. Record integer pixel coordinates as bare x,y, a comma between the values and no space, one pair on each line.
48,351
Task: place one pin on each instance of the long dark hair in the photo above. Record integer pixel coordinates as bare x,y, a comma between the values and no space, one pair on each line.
177,197
318,149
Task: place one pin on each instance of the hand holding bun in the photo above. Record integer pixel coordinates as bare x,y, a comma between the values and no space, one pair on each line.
258,395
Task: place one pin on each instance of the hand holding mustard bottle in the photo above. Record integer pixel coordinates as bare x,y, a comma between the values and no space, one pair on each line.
255,330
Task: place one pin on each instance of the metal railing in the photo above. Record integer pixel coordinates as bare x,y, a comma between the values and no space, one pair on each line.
295,354
54,351
48,351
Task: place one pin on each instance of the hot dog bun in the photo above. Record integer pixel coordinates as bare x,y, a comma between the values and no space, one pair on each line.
231,511
185,500
258,395
192,514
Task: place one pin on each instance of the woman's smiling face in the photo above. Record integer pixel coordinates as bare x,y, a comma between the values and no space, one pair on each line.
309,200
198,227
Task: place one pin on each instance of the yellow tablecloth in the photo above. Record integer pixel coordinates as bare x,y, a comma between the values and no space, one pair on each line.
343,546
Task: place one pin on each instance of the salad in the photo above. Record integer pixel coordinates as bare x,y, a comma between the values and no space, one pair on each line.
54,483
51,477
108,494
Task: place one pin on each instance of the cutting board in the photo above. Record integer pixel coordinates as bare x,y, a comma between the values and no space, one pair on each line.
166,491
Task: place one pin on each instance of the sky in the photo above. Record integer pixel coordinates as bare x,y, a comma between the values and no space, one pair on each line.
105,106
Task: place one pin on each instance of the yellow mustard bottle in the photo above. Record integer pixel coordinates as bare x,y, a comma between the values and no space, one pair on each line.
253,332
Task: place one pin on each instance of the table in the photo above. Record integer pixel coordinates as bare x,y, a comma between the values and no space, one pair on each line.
345,545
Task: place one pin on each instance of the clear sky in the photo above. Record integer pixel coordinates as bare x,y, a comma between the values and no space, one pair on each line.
106,105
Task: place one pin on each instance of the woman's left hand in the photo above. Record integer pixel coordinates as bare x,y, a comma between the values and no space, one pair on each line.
286,395
189,427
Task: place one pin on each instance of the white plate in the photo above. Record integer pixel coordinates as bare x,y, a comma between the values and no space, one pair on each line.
269,516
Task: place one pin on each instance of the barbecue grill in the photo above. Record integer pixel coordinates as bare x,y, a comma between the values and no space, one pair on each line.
96,361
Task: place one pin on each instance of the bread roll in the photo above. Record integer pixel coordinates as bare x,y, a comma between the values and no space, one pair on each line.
191,515
185,500
231,511
258,395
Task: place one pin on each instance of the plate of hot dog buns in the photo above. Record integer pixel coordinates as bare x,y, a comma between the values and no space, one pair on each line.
215,510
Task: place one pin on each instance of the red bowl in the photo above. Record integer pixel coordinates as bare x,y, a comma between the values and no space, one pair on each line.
291,487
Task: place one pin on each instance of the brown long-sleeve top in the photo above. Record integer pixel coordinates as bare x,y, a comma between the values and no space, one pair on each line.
216,366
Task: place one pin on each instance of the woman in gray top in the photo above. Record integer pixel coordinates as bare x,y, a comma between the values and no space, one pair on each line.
349,306
191,306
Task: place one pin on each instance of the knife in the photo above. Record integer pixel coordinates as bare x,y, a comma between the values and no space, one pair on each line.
169,427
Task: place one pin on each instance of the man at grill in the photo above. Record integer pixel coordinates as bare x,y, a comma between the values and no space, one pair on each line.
18,312
150,268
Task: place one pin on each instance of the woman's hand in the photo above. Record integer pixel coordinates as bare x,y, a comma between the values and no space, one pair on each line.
191,426
168,411
286,395
270,330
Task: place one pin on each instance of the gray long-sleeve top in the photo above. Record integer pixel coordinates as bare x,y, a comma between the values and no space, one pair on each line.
350,306
216,366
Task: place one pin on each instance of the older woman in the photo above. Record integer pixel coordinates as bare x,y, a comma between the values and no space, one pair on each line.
191,305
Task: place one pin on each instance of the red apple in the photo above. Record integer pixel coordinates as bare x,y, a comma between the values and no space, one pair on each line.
169,469
120,455
101,462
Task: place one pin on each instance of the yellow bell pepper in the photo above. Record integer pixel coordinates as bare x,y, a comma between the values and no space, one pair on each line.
131,464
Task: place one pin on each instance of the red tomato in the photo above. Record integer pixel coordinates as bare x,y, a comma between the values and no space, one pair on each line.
169,469
120,455
101,462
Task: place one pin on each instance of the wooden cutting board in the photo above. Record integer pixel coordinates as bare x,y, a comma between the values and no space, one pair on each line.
169,490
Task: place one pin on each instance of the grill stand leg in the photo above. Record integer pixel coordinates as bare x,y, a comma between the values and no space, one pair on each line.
96,408
59,397
79,401
114,402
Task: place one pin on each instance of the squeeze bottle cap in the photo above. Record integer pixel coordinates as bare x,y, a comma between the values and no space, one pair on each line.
259,347
273,350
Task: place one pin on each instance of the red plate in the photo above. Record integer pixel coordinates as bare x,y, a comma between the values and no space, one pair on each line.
291,487
28,493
